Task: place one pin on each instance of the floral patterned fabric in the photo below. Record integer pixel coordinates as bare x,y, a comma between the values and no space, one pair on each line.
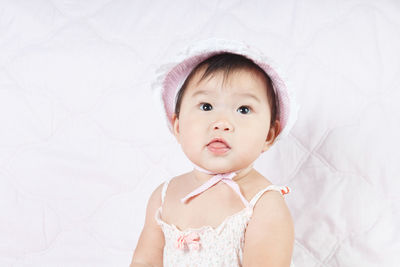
208,246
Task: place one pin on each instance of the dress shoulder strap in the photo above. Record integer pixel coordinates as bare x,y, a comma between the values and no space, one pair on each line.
164,190
280,188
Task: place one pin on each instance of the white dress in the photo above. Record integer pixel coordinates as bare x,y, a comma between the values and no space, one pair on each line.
207,246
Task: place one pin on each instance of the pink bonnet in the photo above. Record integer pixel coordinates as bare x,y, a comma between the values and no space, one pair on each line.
171,76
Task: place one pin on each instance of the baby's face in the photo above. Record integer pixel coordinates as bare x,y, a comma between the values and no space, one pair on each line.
237,112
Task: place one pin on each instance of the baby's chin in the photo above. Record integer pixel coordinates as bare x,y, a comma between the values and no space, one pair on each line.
218,166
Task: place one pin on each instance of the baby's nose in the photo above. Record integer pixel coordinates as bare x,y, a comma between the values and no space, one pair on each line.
222,125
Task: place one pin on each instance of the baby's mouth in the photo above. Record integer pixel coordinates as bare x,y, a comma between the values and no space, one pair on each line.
218,146
219,140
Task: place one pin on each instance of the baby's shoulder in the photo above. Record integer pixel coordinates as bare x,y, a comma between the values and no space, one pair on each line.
253,186
177,185
267,197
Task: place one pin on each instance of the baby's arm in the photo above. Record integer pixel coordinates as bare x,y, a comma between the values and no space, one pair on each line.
269,237
150,247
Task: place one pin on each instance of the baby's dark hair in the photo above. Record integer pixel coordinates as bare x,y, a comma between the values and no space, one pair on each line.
228,62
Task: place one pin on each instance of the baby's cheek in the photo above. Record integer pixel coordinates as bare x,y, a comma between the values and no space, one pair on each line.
191,141
256,145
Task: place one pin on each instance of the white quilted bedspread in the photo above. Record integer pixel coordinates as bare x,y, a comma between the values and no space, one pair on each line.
83,142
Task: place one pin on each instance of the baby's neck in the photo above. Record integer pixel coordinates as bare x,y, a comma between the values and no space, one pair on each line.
202,176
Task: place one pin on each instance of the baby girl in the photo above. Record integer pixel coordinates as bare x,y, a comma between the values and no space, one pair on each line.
225,105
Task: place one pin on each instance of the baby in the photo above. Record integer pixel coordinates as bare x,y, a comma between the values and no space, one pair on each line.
225,105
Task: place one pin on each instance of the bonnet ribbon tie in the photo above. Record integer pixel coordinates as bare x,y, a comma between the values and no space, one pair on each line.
190,240
224,177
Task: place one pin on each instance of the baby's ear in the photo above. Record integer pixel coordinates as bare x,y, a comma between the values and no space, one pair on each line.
175,125
272,134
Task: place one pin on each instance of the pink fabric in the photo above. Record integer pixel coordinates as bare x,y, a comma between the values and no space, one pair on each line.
226,178
191,241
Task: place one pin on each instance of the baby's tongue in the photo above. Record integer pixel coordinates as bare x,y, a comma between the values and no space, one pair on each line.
217,145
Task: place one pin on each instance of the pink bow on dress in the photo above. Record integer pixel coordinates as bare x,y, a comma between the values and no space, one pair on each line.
191,240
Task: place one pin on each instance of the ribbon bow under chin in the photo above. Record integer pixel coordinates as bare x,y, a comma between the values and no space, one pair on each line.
190,240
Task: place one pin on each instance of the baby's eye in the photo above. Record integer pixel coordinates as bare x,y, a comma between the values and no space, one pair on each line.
244,109
205,106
